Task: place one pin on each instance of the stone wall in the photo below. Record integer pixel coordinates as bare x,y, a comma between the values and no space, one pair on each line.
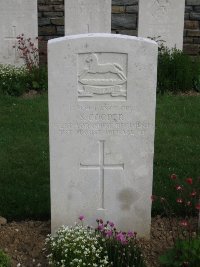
124,21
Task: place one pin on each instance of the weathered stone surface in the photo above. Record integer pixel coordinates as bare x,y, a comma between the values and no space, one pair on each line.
132,9
118,9
192,2
102,96
127,21
58,21
164,18
191,24
197,8
47,30
195,15
60,30
124,2
188,9
16,17
128,32
191,49
188,40
88,16
196,40
193,33
43,21
53,14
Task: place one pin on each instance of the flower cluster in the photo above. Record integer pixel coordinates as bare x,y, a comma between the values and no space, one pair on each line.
76,246
108,230
28,51
13,80
185,231
122,247
104,246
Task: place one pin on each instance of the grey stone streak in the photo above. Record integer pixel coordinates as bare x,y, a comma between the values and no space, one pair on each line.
125,21
124,2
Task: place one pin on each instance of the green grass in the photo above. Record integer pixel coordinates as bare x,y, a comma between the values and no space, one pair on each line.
24,153
24,158
177,142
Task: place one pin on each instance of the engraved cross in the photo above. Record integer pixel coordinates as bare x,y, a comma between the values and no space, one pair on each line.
13,38
102,167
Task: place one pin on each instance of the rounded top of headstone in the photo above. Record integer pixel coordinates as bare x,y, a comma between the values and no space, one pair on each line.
102,35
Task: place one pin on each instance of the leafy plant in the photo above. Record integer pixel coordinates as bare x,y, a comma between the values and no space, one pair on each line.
17,80
84,246
76,246
13,80
184,253
28,51
177,71
122,247
5,260
186,234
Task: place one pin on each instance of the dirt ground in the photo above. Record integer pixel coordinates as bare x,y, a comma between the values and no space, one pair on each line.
24,242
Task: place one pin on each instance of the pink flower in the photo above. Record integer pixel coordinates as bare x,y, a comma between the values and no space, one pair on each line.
100,227
179,200
173,176
130,234
184,223
81,217
197,206
121,237
193,194
179,188
189,181
111,224
109,233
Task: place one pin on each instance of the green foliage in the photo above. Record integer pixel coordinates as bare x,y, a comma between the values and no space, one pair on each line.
123,254
177,71
5,260
24,157
184,253
17,80
13,81
176,144
38,79
122,247
76,246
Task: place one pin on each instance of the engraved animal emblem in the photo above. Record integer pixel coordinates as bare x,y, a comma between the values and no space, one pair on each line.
94,67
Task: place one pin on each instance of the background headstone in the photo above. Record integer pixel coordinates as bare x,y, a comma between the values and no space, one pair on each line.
163,19
16,17
102,97
87,16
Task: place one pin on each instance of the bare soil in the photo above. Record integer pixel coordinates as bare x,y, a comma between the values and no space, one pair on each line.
24,242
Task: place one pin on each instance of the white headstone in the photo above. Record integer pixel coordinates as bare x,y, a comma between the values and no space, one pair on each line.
87,16
102,97
163,20
16,17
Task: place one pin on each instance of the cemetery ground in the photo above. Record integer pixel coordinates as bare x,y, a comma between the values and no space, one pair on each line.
24,172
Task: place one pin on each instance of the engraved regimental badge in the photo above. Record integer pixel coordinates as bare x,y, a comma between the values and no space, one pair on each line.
102,76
